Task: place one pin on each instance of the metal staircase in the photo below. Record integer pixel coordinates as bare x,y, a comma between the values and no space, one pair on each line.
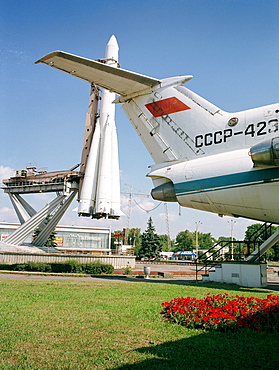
222,251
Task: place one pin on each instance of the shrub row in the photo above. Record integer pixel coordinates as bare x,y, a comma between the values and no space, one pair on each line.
71,266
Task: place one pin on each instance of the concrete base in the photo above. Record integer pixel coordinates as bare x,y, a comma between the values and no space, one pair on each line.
242,274
10,248
118,262
166,275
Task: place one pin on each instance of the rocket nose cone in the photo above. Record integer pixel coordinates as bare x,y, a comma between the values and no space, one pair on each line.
112,48
112,40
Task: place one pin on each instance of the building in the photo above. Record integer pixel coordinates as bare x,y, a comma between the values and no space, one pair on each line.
185,255
72,239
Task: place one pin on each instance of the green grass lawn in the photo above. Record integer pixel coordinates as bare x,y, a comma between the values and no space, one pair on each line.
117,325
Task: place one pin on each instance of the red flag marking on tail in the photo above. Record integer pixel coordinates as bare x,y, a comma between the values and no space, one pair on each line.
166,106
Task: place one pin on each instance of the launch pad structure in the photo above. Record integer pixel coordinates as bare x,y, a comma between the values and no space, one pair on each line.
64,183
97,182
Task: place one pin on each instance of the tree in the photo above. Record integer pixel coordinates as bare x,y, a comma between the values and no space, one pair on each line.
253,229
51,242
150,243
223,240
167,244
272,253
184,241
205,240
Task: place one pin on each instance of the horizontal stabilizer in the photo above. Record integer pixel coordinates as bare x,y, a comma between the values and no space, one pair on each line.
116,80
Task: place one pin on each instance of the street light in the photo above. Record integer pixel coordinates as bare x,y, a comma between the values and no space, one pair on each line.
232,222
197,238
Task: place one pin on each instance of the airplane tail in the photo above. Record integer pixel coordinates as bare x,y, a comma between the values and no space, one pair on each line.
173,122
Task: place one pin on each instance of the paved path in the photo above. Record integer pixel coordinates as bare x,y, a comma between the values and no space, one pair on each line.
166,267
273,284
34,276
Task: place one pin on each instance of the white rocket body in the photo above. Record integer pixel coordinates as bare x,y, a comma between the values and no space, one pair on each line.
88,190
100,193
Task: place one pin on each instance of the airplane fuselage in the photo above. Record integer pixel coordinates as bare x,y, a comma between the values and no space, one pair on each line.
230,181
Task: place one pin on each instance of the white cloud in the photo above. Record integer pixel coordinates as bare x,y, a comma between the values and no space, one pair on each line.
6,172
8,215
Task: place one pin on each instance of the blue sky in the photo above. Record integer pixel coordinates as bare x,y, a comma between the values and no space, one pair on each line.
230,47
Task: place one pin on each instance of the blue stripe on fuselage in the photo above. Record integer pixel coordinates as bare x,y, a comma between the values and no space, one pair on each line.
240,179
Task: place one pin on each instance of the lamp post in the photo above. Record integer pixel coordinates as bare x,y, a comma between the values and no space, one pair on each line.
197,238
232,222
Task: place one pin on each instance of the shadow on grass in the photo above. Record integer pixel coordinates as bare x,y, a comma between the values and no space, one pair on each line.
273,286
198,283
212,350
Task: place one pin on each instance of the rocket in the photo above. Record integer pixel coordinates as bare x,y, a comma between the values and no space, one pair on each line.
99,193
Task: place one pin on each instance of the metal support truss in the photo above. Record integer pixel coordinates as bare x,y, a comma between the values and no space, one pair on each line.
23,209
50,223
47,218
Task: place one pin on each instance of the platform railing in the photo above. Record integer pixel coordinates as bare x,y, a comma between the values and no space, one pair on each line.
215,255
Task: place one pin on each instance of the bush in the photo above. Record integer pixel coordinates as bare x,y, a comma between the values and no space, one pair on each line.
71,266
127,269
5,266
96,268
28,266
37,266
18,267
56,267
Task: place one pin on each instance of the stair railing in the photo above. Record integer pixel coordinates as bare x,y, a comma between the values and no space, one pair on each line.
207,261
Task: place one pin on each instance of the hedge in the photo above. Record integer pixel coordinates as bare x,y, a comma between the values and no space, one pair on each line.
71,266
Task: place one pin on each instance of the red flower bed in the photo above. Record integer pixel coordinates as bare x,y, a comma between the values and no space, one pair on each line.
224,313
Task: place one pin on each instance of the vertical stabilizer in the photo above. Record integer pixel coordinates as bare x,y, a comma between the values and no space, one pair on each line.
172,122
